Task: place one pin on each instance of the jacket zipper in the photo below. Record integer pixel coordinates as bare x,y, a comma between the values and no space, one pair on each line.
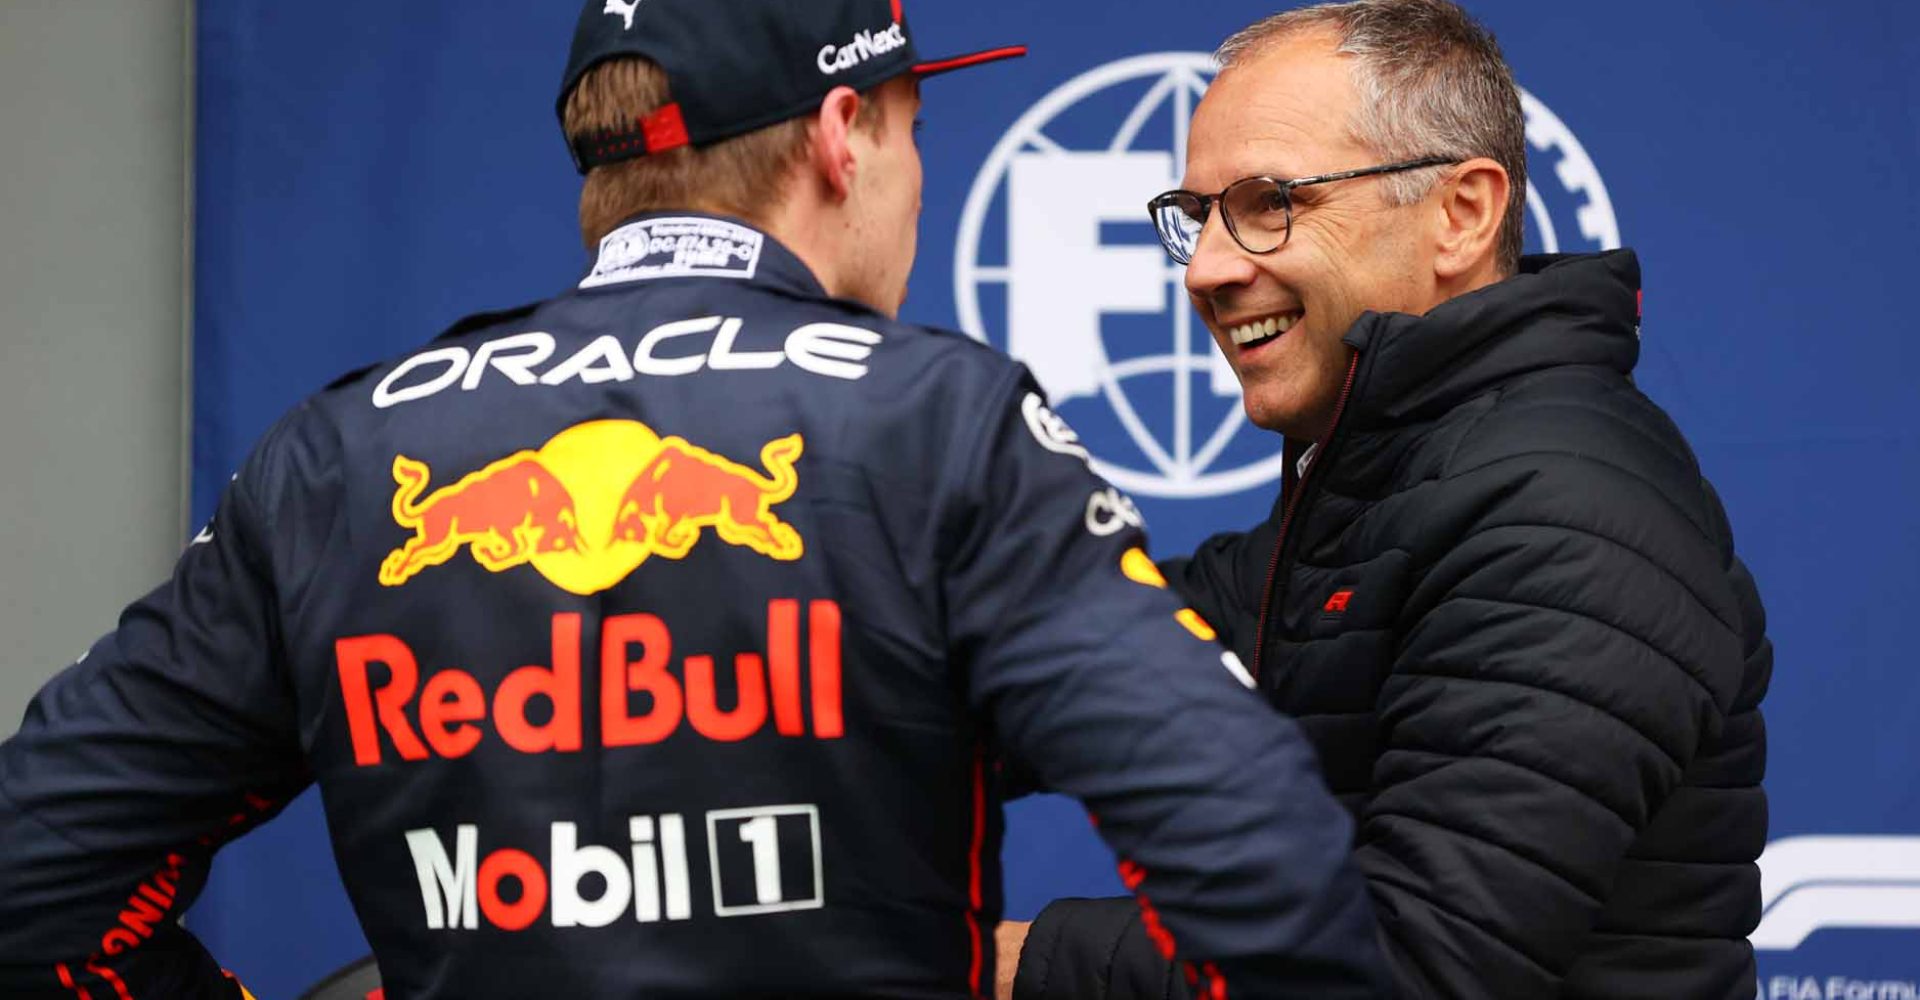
1286,517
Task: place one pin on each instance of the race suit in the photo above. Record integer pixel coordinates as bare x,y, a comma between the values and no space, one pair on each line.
668,638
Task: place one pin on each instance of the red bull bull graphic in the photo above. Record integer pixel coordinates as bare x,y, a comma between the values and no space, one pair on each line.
505,512
685,488
592,504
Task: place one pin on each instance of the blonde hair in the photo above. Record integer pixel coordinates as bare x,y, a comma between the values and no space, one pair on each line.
740,176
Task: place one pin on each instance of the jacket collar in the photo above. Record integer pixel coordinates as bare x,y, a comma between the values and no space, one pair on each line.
1559,310
660,246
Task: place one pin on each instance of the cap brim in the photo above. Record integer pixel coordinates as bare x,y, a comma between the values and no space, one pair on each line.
939,66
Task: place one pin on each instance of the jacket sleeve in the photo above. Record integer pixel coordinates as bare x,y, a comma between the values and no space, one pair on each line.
1096,677
172,735
1078,949
1225,579
1568,648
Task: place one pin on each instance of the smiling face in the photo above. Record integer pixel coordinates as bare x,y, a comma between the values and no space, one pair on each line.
1278,317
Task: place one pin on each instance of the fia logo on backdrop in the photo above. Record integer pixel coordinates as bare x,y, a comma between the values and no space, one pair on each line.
1057,263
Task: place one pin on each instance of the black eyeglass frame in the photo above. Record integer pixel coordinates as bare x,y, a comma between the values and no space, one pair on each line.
1170,201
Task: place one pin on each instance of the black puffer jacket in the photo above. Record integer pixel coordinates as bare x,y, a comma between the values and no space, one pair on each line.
1505,606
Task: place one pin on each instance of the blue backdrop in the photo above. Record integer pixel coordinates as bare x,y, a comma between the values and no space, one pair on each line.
369,171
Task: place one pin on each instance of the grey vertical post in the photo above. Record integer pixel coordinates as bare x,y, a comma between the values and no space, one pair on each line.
95,135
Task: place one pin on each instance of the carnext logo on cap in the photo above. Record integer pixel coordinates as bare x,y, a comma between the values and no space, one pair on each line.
676,248
864,46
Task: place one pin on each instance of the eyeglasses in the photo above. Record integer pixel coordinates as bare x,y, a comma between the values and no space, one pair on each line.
1258,211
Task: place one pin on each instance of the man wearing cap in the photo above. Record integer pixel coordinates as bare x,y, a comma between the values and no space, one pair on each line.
1495,589
662,638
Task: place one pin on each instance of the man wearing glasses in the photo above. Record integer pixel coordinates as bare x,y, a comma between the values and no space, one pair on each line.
1495,589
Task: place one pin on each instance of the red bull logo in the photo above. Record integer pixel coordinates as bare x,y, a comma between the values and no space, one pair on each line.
592,504
792,686
505,512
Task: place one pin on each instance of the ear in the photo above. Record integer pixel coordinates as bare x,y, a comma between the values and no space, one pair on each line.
1472,206
831,145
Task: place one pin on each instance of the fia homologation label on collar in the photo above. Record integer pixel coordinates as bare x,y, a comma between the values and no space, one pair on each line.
676,248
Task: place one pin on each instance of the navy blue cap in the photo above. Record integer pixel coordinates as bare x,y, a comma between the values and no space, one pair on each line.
734,66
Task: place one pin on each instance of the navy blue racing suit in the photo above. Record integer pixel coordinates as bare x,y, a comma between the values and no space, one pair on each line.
665,639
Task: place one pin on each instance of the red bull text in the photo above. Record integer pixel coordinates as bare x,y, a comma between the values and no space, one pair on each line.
443,716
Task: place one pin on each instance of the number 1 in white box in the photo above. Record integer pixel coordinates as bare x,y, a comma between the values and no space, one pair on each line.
765,859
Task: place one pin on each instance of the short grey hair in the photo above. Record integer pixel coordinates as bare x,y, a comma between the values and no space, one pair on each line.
1431,82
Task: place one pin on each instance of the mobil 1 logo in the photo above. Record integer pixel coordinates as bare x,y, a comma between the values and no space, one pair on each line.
765,859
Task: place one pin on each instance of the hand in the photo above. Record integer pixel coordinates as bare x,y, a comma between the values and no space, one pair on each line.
1008,939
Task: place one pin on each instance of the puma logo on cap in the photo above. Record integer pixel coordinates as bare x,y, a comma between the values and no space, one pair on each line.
625,8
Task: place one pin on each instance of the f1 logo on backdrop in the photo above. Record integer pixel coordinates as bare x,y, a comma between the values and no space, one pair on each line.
1083,294
1839,883
1813,883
